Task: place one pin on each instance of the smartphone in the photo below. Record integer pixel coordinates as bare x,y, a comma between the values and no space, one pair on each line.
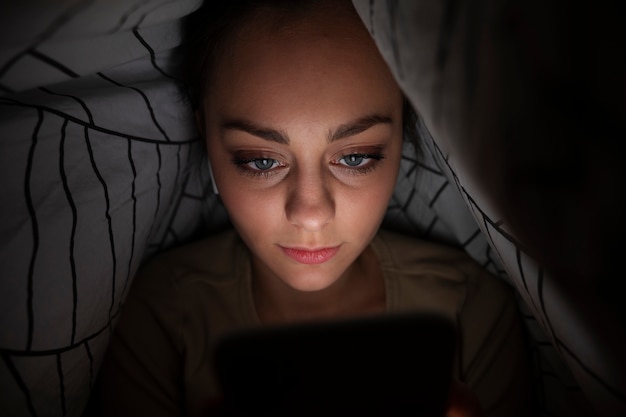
389,365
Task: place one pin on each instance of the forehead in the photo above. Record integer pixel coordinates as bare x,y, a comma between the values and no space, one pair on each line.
309,60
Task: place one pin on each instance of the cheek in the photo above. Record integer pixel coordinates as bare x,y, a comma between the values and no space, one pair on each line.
242,202
364,208
252,213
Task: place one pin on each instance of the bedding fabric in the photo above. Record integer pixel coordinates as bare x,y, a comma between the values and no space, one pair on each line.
456,61
101,168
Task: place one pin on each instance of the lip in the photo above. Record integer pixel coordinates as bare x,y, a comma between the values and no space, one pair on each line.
310,256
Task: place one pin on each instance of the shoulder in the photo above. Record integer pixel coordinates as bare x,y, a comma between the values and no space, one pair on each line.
189,289
490,355
215,259
412,254
422,265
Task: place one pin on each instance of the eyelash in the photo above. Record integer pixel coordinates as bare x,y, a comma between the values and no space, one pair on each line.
243,164
374,158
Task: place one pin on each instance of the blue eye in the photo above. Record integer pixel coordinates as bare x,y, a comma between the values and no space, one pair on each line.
360,163
258,166
264,164
354,160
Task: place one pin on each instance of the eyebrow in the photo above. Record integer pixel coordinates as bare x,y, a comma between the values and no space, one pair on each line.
357,126
271,135
343,131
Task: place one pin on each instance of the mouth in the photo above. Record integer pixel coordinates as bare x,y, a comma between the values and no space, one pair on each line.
310,256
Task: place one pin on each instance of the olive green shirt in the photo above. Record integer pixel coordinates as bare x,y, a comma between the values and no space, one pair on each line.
159,362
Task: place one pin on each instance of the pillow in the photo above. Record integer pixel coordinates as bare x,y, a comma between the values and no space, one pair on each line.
101,167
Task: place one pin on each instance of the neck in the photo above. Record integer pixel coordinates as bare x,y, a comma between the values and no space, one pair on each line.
360,290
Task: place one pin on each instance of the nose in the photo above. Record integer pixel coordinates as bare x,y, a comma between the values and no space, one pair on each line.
310,205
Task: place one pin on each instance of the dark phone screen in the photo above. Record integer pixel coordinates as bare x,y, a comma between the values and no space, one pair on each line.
393,365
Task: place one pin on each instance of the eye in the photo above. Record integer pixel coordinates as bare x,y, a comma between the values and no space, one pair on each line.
359,163
359,160
259,166
264,164
353,160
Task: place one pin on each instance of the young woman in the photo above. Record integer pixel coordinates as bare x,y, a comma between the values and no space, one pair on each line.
304,125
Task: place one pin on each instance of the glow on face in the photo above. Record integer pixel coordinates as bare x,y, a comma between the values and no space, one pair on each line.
304,134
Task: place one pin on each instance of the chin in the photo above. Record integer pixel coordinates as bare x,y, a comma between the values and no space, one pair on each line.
310,284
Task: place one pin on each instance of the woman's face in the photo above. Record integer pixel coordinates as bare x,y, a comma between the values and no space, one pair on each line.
304,134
